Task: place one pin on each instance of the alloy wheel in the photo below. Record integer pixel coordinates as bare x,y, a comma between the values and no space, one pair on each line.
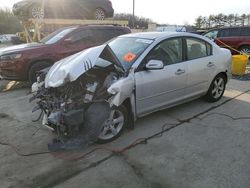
99,14
218,87
113,125
37,12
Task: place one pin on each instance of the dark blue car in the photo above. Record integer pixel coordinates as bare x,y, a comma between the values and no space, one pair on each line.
64,9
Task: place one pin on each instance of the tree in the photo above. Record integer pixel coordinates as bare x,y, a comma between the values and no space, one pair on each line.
139,22
8,22
221,20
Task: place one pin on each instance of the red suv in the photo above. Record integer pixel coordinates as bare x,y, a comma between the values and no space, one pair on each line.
21,62
235,37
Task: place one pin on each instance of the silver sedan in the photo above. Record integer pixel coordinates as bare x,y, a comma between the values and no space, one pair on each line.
140,74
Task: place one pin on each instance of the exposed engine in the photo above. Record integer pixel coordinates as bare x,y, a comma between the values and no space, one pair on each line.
64,107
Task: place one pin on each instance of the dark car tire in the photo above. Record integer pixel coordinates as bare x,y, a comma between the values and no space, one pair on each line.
122,110
35,68
216,89
99,14
245,49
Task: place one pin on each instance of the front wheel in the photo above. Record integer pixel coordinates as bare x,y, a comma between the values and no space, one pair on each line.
114,125
216,89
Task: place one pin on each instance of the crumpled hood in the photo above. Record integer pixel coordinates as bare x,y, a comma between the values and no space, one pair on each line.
19,48
72,67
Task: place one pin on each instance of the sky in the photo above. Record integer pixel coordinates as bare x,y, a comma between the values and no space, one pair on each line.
173,11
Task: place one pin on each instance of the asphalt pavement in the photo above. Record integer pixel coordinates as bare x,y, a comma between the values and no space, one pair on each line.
197,144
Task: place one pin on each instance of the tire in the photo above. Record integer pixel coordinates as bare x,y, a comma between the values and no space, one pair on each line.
99,125
99,14
119,112
36,12
35,68
245,50
216,89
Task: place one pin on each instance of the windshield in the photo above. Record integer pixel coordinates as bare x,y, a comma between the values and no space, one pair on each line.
127,50
56,36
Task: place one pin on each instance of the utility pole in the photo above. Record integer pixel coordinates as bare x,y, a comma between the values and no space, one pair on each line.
133,13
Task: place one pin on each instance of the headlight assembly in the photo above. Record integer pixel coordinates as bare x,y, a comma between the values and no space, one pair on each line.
10,56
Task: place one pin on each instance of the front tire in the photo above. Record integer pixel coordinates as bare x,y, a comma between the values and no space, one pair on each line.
216,89
114,125
35,68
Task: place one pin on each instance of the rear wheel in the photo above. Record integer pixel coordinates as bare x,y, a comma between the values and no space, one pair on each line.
37,12
35,68
216,89
245,50
99,14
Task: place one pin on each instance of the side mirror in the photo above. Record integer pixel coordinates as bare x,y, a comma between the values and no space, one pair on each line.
154,65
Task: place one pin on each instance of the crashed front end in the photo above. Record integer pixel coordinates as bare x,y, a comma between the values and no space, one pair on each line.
69,92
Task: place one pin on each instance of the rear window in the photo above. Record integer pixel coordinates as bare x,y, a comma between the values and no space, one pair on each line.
245,31
234,32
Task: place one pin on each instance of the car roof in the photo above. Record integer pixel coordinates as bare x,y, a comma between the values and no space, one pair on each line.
158,35
232,27
101,26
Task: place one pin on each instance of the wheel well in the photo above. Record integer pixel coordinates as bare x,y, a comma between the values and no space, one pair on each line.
244,45
224,74
37,61
128,106
101,9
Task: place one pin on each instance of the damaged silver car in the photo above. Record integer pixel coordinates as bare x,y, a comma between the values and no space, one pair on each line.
95,94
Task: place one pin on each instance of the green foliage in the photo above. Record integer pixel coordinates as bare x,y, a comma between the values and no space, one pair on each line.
9,24
222,20
133,22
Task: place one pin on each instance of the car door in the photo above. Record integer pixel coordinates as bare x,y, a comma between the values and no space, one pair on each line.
161,88
201,65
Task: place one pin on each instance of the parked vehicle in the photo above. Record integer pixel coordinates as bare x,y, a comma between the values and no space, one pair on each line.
64,9
235,37
6,38
135,74
21,62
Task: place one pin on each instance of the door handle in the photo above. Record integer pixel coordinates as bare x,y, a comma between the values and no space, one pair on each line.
210,64
180,71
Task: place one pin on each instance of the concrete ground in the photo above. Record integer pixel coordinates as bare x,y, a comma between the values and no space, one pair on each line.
205,149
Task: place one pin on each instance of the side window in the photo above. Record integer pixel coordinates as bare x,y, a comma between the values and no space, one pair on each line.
234,32
102,35
118,32
197,48
245,31
81,36
169,51
224,33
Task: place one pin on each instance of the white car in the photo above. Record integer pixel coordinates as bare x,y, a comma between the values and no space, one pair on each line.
6,38
132,75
